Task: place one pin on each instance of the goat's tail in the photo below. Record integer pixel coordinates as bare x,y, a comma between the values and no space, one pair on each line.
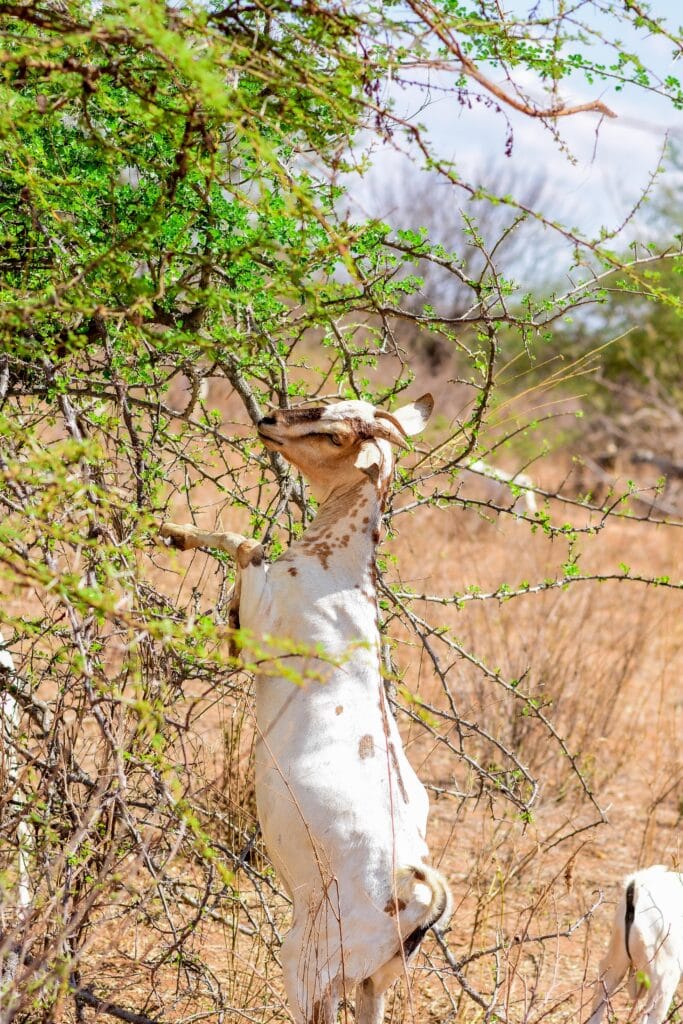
422,885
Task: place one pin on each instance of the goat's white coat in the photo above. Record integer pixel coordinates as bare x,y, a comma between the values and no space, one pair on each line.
655,944
342,811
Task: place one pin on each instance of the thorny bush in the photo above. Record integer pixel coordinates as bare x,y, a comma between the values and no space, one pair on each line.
177,257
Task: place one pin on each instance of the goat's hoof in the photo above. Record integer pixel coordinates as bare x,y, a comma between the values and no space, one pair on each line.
250,552
173,536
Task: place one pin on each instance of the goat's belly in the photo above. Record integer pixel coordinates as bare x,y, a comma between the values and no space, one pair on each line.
337,833
335,789
336,844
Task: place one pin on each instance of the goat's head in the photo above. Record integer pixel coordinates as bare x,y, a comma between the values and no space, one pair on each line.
333,445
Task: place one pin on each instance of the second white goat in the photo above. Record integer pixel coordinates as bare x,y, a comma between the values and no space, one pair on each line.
647,942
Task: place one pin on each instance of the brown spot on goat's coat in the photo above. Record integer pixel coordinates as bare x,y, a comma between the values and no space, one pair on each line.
292,571
339,708
372,472
322,552
393,905
366,747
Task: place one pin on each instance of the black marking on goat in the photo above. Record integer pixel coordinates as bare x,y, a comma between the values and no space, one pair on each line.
630,913
234,616
411,943
301,415
414,939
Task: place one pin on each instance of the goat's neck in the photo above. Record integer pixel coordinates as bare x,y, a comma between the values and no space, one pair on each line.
348,524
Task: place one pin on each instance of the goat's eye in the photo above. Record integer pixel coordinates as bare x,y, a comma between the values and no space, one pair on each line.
336,440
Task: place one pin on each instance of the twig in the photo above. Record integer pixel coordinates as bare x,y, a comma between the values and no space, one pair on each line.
86,997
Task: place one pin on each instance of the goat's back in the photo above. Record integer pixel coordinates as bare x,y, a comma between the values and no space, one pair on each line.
656,931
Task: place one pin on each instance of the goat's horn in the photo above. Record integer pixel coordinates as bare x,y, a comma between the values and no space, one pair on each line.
391,429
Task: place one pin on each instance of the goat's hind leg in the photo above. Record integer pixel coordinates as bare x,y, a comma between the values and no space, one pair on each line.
369,1003
370,993
313,996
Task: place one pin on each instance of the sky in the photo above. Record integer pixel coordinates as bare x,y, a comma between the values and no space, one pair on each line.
610,160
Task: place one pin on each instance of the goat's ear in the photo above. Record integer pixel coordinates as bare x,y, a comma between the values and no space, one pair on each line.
369,458
413,418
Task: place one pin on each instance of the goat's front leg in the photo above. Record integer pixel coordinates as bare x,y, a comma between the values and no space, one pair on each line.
250,579
664,984
245,550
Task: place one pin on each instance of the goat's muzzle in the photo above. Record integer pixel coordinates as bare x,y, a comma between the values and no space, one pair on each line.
262,428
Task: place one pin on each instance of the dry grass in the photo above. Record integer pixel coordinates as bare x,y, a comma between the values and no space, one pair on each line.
605,659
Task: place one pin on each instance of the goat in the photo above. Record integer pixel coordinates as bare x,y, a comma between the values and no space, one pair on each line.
647,941
525,502
342,812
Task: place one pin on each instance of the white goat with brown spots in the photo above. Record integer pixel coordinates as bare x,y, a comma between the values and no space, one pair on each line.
343,813
646,943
